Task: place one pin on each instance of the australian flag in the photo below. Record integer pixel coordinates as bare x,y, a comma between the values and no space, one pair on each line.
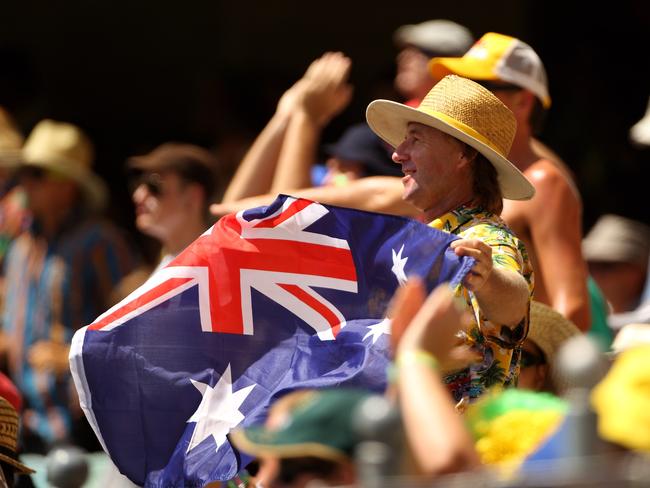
269,300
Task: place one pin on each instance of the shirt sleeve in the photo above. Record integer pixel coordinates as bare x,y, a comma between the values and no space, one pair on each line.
505,246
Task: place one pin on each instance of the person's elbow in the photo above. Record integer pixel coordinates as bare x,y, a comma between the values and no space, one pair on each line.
453,461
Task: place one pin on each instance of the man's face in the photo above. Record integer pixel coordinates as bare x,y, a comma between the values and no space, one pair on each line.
413,79
46,190
161,203
428,158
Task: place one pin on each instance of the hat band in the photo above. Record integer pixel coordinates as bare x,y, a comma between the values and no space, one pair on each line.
456,124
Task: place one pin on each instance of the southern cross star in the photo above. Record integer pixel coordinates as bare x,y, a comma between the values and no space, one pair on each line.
377,330
398,265
218,411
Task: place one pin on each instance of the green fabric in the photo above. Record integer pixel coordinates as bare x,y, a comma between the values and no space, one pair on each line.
325,419
599,330
493,406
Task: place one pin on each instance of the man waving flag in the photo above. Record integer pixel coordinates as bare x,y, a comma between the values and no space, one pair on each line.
267,301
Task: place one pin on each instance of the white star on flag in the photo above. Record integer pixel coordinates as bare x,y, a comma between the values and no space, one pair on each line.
377,330
398,265
218,411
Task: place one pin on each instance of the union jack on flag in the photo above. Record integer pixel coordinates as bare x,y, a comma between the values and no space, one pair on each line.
266,301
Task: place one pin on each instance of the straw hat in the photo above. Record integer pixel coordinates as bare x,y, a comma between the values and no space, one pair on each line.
549,329
10,141
9,437
464,110
64,149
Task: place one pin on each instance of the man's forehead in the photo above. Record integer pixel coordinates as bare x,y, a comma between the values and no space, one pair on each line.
417,128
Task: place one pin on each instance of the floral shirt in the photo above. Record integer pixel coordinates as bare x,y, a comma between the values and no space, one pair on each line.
497,343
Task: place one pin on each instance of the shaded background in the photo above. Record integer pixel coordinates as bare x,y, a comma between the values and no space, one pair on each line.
136,74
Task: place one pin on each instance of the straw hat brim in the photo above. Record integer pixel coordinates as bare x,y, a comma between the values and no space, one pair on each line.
94,189
20,467
389,120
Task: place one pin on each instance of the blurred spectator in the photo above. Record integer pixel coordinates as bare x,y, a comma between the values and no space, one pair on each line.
59,275
550,223
418,43
172,188
308,439
9,428
357,154
617,250
547,332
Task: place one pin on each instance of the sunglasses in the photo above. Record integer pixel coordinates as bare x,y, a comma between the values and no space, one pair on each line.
152,182
530,359
35,173
498,86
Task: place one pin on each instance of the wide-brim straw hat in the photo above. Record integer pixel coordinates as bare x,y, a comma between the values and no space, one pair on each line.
549,329
464,110
9,437
65,150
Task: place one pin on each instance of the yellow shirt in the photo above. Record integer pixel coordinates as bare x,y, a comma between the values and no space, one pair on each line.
497,343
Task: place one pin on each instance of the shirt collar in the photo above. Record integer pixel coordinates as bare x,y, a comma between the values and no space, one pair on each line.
453,220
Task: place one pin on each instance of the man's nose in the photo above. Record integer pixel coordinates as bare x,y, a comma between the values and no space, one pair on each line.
399,155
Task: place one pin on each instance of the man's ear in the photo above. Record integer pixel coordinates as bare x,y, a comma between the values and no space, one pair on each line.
468,155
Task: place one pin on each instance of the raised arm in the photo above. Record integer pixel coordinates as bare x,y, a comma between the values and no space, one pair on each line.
375,194
326,93
437,436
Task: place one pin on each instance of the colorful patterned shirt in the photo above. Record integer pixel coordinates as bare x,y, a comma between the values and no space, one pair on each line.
53,288
497,343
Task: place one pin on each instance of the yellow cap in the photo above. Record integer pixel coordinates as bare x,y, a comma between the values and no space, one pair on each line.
498,57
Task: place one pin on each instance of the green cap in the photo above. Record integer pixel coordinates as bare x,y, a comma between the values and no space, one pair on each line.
314,423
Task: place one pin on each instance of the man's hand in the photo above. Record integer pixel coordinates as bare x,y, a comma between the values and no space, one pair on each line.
434,324
482,254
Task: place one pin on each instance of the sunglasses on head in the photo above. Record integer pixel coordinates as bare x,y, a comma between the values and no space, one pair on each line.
152,181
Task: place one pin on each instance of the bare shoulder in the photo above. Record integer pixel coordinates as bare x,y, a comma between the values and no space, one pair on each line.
550,180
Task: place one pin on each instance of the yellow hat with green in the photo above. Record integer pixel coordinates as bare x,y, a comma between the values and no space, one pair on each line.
497,57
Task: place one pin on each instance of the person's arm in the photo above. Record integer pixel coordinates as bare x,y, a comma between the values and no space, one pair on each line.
326,93
555,221
437,436
381,194
502,293
255,172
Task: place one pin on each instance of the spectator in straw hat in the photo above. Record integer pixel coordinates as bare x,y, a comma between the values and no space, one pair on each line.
59,275
548,331
8,445
452,150
13,215
550,222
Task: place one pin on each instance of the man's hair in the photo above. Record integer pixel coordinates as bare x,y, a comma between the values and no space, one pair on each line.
485,184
